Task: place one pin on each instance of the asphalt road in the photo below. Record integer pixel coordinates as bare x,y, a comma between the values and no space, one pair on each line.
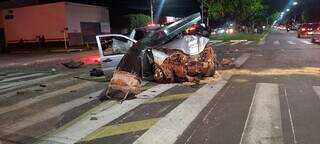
273,98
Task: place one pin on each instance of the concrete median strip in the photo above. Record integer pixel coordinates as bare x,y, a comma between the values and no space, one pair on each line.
39,98
83,127
263,124
169,128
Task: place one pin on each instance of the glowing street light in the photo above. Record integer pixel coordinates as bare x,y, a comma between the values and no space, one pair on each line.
288,10
295,3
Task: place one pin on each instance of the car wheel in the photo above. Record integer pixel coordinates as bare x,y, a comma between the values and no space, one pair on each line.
313,40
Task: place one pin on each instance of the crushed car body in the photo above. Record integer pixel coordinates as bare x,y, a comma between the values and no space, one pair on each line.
178,52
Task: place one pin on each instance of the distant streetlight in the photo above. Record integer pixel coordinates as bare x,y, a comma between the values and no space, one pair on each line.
295,3
288,10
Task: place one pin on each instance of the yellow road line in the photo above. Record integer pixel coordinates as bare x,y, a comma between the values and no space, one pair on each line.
119,129
169,98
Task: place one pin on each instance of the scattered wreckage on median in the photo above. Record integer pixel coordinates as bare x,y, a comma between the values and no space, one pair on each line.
178,52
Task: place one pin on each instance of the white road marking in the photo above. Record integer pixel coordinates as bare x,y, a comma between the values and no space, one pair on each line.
16,85
223,43
317,90
235,43
78,130
262,42
46,114
290,116
170,127
39,98
21,77
263,124
241,60
291,42
276,42
306,42
248,42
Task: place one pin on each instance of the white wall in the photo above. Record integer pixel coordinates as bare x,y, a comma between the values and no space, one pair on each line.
32,21
76,13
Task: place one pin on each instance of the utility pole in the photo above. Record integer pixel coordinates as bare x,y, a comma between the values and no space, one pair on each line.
202,18
151,11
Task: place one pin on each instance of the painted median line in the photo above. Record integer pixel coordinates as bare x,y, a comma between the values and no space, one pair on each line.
263,124
85,126
170,127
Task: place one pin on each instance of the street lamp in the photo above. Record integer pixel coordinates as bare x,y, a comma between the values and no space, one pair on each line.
295,3
288,10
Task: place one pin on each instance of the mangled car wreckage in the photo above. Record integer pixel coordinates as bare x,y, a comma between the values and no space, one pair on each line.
177,52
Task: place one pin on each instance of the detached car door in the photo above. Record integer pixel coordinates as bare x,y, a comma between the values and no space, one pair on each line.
112,47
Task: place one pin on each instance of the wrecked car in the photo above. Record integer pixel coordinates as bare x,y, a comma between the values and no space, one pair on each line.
178,52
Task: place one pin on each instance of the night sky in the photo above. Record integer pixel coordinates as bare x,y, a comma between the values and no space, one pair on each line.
177,8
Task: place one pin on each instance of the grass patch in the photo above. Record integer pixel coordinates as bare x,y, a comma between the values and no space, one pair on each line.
237,36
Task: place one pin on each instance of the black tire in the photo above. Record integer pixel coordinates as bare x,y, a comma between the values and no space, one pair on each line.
313,40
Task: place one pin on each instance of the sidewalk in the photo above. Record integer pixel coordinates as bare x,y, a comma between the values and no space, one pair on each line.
14,60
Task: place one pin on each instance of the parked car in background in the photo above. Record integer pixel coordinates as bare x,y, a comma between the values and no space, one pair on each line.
316,35
307,30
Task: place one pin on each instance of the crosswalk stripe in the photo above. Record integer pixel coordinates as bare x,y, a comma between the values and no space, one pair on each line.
235,43
241,60
39,98
47,114
16,85
21,77
263,124
306,42
170,127
248,42
262,42
317,90
223,43
118,129
83,127
291,42
276,42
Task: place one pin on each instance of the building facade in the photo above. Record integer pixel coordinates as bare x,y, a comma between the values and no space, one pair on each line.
55,22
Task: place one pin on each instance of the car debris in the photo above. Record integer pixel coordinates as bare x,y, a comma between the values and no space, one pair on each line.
73,64
178,52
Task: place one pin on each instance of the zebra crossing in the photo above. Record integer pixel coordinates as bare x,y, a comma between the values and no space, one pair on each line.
263,122
32,98
110,121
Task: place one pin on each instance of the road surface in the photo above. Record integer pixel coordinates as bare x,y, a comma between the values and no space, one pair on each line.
274,97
